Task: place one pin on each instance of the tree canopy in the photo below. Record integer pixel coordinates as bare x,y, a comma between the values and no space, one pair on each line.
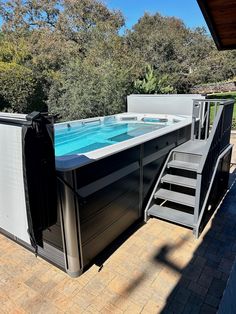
72,57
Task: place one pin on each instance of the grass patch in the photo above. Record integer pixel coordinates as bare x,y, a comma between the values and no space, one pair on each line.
227,95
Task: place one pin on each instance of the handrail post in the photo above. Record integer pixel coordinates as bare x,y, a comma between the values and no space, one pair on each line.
195,115
201,120
197,200
193,128
207,119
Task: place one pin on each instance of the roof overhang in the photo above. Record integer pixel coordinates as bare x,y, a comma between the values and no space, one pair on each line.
220,16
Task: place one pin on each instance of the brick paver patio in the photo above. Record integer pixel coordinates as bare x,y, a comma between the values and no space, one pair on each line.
161,268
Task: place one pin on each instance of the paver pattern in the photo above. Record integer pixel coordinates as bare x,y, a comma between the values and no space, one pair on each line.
161,268
233,141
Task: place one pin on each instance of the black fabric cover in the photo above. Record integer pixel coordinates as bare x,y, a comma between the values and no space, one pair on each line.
39,176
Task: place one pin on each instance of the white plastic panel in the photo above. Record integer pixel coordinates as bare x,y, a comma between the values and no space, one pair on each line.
13,216
181,104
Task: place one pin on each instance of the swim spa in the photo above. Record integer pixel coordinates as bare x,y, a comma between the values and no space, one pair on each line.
70,204
85,136
89,139
106,168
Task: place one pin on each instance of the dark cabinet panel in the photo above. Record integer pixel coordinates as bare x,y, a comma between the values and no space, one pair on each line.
96,217
110,194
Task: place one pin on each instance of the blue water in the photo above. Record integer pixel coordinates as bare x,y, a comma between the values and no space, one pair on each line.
79,139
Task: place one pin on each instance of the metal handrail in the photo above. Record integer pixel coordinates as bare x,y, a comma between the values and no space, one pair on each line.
209,189
217,126
155,188
201,113
210,140
217,142
225,101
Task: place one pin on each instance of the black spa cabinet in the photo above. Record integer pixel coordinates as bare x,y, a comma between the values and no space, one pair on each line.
99,201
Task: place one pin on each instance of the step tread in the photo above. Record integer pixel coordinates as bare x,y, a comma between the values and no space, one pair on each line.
171,214
178,180
195,147
175,197
183,165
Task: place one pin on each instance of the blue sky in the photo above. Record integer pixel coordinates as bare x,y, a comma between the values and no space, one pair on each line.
187,10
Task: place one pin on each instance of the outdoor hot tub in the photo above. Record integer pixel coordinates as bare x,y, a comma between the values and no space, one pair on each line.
69,190
106,168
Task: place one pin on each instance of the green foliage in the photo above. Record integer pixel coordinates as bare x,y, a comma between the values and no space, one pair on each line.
19,90
83,91
164,86
229,95
15,51
189,56
215,67
234,124
71,55
150,84
47,36
58,30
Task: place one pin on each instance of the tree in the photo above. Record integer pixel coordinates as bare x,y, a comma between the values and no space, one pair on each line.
84,91
151,84
216,67
185,55
19,90
70,55
59,28
58,33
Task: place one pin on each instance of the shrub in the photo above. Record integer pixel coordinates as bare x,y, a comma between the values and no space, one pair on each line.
83,91
20,91
228,95
151,84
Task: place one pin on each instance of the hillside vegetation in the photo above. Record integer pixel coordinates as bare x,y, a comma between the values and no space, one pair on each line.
72,57
229,95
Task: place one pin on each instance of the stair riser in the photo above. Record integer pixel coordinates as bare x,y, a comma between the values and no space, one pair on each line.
178,184
181,223
183,203
184,173
179,189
